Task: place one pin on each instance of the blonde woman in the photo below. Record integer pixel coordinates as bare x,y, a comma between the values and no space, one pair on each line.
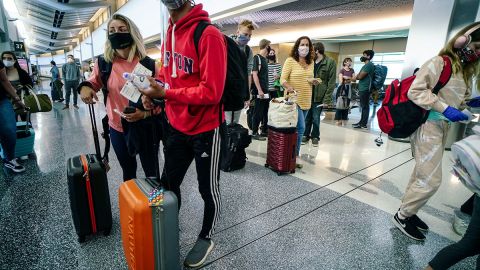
124,50
428,141
297,77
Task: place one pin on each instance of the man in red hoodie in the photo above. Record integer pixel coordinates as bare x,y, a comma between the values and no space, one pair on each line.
194,111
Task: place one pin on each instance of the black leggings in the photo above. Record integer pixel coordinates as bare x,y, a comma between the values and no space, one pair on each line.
468,246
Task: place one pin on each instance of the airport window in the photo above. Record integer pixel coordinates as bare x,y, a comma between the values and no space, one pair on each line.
393,61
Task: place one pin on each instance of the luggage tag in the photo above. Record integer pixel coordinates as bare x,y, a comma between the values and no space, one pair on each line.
155,197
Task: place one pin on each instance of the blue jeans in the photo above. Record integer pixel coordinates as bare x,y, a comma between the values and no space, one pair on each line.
128,162
312,121
8,128
71,86
302,114
365,106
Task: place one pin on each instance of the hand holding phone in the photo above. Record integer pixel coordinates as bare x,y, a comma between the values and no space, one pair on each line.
129,109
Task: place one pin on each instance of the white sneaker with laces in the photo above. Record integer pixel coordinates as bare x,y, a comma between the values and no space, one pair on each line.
13,165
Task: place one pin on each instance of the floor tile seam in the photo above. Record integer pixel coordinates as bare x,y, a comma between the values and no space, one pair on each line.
310,192
302,216
314,190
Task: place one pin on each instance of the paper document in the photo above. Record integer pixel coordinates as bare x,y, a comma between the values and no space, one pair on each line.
131,92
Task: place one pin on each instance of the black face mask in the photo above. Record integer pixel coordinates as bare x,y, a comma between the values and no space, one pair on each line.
271,57
120,40
363,59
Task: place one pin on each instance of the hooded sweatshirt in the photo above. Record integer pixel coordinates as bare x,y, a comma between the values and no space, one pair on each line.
196,81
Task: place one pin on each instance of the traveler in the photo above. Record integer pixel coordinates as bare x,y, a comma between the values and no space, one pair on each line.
17,76
364,86
428,141
468,246
259,89
242,37
56,83
124,49
8,126
324,69
194,111
71,76
345,79
297,78
274,71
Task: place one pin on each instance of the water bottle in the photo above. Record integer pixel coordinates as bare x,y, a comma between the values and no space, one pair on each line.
140,81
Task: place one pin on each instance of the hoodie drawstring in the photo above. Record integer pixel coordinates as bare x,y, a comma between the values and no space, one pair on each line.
174,67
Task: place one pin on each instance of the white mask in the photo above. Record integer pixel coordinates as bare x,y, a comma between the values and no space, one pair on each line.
303,51
70,60
8,63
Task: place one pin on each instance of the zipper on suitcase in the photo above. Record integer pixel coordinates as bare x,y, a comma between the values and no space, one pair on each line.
157,230
89,193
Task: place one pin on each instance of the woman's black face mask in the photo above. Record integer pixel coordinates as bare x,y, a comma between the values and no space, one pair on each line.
120,40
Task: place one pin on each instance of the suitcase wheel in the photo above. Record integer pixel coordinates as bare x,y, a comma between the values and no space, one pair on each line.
266,165
292,171
279,173
81,239
107,231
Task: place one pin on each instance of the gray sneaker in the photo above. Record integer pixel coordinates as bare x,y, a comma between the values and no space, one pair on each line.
198,254
305,140
315,142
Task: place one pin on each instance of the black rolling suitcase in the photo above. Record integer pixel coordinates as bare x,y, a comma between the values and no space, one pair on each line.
88,190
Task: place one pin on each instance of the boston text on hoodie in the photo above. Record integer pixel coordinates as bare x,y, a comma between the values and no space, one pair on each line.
196,81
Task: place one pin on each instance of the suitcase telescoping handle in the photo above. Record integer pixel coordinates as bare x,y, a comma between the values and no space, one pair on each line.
93,121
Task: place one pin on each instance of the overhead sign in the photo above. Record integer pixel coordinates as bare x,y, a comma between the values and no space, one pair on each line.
19,46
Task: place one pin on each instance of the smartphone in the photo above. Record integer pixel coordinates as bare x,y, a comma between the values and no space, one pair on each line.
129,109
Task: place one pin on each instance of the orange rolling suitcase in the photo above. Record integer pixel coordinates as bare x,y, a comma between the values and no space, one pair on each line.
149,224
149,233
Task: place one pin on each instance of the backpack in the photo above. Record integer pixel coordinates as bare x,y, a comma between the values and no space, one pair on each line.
236,90
379,76
342,98
399,117
233,156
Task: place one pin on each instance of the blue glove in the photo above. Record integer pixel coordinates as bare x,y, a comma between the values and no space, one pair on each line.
474,102
454,115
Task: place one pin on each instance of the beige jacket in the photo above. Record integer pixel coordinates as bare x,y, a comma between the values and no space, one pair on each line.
453,94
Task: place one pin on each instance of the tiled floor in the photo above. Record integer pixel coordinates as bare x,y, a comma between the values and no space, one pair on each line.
333,214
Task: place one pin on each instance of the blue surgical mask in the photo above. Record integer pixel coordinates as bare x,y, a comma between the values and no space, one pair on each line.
242,40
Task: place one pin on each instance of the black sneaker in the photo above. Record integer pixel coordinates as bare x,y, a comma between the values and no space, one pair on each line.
422,226
258,138
359,126
408,228
13,165
199,253
305,140
264,134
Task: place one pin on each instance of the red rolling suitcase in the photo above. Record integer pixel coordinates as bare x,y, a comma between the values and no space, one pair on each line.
281,150
88,190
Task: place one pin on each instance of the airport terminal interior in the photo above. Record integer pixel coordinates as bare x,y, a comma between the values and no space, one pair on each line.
335,212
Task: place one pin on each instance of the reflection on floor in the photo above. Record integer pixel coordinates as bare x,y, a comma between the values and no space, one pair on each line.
333,214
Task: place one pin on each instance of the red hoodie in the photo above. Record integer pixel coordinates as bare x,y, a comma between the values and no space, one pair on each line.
196,81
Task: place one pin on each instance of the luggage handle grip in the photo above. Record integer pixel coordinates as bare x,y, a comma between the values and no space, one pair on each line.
93,121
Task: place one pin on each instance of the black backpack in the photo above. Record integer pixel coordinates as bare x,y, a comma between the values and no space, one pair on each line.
236,90
379,76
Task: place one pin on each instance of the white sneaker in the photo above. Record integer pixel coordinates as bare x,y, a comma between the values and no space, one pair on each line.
13,165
